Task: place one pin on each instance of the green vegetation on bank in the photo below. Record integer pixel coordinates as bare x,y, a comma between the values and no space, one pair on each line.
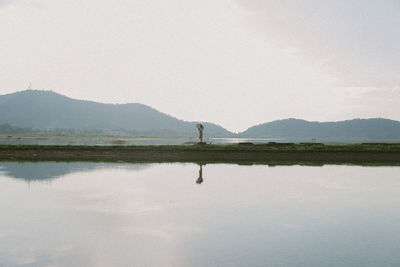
364,153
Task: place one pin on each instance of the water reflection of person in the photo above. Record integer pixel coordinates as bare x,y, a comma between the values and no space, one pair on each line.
200,179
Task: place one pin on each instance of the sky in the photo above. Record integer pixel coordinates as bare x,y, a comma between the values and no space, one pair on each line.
236,63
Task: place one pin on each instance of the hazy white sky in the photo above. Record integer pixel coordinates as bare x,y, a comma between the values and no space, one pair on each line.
233,62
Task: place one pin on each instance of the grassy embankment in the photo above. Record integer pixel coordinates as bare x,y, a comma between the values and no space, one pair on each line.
271,153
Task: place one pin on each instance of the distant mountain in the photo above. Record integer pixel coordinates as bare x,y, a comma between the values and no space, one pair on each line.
46,110
357,130
33,110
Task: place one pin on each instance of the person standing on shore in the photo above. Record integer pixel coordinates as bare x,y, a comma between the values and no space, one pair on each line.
200,127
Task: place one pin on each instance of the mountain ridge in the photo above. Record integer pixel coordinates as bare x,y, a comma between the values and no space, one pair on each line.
372,129
47,110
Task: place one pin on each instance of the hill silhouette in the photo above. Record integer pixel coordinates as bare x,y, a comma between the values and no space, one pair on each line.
33,111
46,110
357,130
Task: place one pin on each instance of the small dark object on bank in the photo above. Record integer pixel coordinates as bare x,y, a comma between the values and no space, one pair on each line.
246,143
281,144
311,144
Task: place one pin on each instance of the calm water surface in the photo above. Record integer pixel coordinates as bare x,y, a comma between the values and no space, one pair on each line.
128,141
96,214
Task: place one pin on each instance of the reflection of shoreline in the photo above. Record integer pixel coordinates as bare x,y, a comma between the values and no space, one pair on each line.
46,171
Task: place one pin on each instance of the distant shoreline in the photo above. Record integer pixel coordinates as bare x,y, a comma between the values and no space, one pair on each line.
285,153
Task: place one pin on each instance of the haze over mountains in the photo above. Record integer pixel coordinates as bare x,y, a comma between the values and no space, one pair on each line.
49,111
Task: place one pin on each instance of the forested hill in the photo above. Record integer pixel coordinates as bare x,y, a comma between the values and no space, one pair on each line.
46,110
36,111
356,130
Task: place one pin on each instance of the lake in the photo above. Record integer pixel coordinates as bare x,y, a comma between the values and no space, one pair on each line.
118,214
